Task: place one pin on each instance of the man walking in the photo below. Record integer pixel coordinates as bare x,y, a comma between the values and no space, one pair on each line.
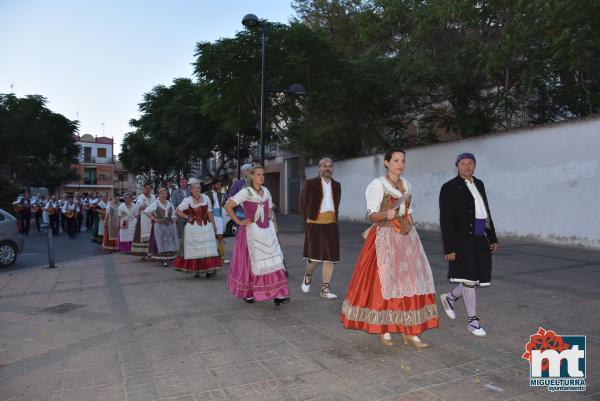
469,239
177,196
237,187
319,205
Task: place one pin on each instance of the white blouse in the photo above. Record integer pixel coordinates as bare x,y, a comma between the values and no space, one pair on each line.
379,187
248,194
190,202
480,212
164,206
251,195
327,203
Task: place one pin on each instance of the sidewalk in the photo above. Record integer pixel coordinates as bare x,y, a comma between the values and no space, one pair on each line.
113,327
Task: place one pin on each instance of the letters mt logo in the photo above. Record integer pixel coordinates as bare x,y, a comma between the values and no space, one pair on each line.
556,361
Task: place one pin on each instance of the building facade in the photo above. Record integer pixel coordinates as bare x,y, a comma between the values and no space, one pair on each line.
96,166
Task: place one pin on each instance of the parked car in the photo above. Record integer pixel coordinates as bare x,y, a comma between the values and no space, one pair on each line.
11,242
230,228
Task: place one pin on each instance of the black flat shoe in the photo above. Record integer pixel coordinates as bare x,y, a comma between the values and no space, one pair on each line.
209,275
279,301
249,300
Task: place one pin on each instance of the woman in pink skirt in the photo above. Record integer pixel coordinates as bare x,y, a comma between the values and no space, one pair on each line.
257,272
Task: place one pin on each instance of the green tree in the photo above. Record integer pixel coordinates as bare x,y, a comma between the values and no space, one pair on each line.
172,131
38,144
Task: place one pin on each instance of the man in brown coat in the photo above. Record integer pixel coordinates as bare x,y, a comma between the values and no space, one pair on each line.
319,205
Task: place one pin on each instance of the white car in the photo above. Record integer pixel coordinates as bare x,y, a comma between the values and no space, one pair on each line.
230,228
11,241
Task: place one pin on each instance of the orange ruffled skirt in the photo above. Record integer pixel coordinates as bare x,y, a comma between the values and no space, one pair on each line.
364,307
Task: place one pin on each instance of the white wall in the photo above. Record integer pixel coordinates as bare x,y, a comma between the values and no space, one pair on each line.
542,183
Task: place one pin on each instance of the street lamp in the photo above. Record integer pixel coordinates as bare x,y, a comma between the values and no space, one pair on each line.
252,21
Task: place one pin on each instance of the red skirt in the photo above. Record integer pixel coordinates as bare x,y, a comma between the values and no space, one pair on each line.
365,308
108,244
194,266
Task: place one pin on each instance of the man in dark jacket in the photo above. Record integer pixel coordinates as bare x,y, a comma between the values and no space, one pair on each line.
319,205
469,239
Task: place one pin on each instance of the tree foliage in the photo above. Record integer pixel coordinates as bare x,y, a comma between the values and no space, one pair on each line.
38,145
378,73
473,66
172,132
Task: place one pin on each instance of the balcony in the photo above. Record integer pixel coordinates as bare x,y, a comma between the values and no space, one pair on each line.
98,160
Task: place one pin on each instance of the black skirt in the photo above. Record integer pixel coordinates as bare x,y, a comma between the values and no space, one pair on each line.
473,264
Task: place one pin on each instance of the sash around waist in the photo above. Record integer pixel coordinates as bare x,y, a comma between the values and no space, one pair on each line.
323,218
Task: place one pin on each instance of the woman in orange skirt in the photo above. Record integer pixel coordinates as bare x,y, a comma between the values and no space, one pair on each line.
392,289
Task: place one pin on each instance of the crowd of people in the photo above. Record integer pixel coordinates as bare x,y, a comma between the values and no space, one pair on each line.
391,289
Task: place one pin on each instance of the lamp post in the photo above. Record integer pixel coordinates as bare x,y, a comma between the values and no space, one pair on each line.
252,21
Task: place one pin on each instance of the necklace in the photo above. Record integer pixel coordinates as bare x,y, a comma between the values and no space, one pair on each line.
395,184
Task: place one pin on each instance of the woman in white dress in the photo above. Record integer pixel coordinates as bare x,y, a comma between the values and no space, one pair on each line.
141,236
163,237
127,220
198,252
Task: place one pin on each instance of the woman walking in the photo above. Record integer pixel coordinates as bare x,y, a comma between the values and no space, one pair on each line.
163,236
257,272
198,252
391,290
127,220
110,242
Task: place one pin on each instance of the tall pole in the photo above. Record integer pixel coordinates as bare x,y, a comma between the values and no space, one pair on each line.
263,83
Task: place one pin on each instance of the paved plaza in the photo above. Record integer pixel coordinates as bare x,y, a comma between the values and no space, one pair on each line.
111,327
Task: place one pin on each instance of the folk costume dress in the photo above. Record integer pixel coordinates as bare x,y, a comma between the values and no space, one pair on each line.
141,237
197,252
127,223
391,289
164,240
98,208
215,201
257,268
110,240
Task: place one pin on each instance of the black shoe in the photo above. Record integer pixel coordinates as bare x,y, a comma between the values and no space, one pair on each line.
279,301
211,274
249,300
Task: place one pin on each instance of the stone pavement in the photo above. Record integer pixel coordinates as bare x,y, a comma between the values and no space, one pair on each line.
112,327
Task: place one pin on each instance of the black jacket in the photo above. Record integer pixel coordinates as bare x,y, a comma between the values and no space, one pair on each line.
457,213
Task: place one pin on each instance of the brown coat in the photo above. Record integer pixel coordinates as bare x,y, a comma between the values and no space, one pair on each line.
311,197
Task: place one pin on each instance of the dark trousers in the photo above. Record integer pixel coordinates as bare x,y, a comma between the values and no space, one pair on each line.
71,224
63,222
38,220
25,219
89,219
54,223
79,221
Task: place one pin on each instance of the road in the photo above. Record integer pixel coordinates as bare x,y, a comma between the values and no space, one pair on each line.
113,328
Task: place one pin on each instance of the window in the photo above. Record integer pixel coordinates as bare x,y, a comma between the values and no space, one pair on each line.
101,152
89,176
87,155
101,177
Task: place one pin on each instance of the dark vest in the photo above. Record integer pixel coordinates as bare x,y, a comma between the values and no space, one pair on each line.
312,196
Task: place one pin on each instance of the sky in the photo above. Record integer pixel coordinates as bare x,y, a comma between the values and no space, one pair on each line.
94,60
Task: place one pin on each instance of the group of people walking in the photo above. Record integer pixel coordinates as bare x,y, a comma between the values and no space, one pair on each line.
391,289
68,213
